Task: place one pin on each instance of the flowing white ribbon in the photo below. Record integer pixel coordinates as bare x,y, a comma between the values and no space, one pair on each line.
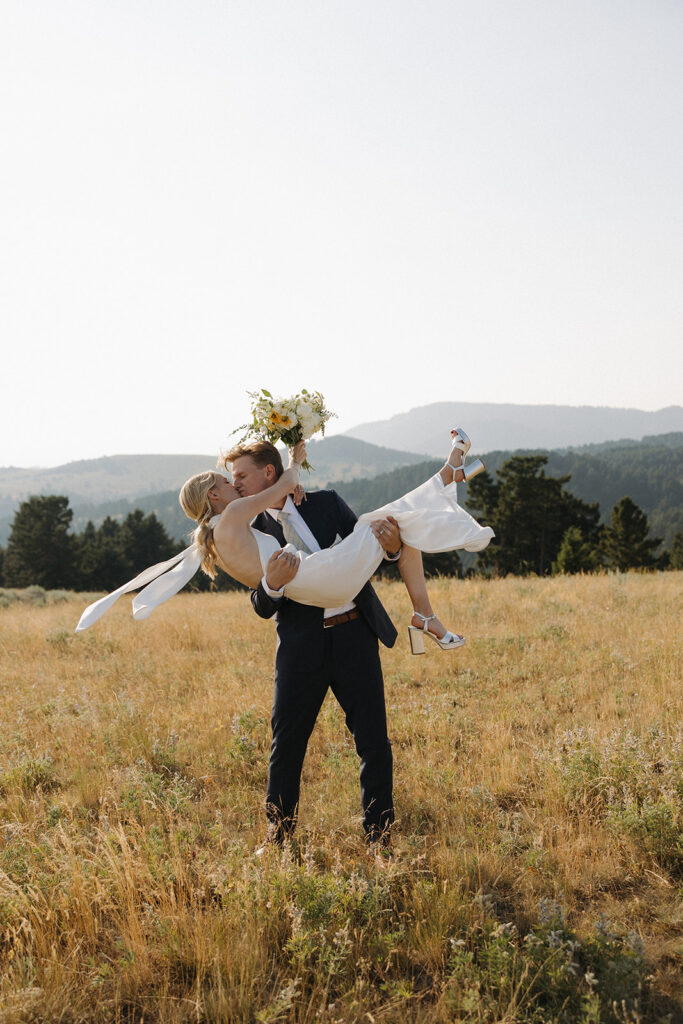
158,583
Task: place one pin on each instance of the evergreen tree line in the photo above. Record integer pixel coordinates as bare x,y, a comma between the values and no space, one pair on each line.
42,550
650,472
540,527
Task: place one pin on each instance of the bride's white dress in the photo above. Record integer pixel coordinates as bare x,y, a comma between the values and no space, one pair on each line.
429,518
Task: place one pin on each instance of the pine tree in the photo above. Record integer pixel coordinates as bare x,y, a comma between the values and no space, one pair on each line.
40,549
530,514
145,540
676,553
102,558
112,554
625,542
576,554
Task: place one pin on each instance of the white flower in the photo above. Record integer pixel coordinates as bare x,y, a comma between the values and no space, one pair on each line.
290,419
308,426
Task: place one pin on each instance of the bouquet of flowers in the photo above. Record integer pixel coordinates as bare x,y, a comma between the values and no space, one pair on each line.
286,419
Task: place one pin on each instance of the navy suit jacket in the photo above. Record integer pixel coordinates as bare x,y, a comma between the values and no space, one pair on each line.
326,514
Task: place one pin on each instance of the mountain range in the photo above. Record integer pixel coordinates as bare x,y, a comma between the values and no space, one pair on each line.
128,476
508,427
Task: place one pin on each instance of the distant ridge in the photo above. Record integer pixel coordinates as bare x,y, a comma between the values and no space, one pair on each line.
424,430
112,476
128,476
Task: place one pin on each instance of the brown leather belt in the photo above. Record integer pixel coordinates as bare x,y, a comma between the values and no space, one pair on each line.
336,620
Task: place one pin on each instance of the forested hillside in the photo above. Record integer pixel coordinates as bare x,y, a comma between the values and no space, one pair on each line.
648,471
164,505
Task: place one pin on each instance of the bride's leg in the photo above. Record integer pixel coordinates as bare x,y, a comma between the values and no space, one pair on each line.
412,573
450,471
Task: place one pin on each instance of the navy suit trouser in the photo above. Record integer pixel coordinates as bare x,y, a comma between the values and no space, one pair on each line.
349,665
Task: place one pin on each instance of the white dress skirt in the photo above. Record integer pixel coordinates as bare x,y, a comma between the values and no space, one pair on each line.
429,519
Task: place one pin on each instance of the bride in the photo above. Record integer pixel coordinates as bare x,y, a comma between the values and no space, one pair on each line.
429,519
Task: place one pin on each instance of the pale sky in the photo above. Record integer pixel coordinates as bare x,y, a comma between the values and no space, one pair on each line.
392,202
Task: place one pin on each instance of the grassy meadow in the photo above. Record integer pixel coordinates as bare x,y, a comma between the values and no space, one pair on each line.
536,867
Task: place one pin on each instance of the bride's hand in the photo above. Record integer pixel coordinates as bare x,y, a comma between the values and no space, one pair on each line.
297,455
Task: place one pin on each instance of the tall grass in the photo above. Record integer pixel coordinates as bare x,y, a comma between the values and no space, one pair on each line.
536,871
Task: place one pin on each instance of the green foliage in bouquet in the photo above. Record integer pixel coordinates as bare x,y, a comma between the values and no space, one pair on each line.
289,420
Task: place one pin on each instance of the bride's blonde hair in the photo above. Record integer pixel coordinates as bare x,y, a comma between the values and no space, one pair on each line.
194,501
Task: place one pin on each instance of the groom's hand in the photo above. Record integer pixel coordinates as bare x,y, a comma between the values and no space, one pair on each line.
281,569
388,534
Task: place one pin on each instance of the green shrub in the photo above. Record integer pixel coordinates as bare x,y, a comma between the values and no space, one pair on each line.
30,774
549,974
634,783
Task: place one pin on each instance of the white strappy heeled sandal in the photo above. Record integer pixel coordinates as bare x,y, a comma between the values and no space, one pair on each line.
416,635
472,469
461,442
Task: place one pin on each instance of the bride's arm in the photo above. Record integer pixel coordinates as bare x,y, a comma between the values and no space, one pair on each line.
243,510
246,508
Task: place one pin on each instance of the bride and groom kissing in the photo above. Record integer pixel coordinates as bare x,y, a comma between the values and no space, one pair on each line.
329,619
319,649
335,647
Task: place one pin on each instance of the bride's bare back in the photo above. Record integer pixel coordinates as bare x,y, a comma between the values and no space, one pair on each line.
237,550
236,547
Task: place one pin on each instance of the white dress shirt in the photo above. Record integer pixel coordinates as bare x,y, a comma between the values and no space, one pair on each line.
299,524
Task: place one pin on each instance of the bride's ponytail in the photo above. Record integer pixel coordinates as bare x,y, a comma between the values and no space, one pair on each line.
195,504
203,538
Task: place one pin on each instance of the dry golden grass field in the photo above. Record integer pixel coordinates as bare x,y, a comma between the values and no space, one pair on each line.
536,869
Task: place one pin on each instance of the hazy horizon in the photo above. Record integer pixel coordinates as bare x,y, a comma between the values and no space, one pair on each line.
331,433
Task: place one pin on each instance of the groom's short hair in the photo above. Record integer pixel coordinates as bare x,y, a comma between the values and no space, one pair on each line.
262,452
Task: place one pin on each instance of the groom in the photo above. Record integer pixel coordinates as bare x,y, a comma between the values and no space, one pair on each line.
319,648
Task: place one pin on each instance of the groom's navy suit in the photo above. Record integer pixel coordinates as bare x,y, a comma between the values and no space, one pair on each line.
309,659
